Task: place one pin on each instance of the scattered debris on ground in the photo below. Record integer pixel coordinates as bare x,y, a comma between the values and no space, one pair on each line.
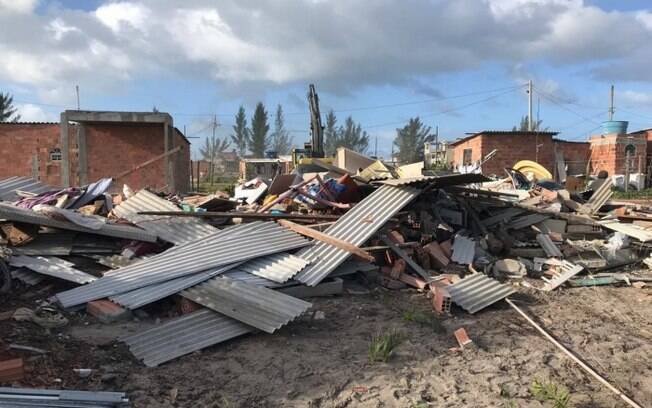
200,270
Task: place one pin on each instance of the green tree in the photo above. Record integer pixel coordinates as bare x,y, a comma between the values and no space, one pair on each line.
258,140
523,125
410,139
281,140
352,136
240,132
330,134
7,109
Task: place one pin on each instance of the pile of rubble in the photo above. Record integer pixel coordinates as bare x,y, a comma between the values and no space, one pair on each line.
235,265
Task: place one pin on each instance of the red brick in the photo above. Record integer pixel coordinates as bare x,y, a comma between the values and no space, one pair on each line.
107,311
462,338
437,255
11,370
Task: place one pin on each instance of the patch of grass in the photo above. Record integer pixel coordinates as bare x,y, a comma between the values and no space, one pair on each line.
644,194
422,318
419,405
551,392
382,346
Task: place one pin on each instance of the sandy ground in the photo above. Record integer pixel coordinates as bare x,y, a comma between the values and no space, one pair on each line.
325,363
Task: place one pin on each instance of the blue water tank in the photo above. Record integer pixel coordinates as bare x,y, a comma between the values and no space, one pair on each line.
614,126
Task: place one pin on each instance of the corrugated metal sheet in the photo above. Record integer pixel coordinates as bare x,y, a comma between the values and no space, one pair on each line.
478,291
9,186
527,220
503,216
209,252
56,244
240,275
438,181
278,267
256,306
177,230
31,397
631,230
183,335
599,197
152,293
52,266
463,250
548,246
9,212
568,270
356,227
27,277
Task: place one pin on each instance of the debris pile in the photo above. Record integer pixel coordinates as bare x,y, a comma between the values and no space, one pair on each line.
236,265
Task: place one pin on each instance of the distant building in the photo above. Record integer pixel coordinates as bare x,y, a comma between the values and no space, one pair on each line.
264,168
513,146
141,149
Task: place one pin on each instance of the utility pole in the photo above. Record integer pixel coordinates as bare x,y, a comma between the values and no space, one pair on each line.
77,92
612,110
376,148
529,106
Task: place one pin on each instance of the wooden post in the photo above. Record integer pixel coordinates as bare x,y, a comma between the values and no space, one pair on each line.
192,179
627,157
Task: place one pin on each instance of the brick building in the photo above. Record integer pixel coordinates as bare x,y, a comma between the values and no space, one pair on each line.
141,149
609,152
513,146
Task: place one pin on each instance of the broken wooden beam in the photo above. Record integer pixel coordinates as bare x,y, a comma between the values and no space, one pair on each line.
329,239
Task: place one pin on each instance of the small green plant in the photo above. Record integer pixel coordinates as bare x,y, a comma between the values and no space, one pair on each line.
422,318
382,345
419,405
549,391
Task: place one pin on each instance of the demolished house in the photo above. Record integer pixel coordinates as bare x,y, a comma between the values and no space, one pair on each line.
226,267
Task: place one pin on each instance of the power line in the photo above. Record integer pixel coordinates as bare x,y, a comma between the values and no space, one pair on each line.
454,109
552,98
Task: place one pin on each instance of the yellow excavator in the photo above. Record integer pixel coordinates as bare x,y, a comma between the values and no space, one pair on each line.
315,148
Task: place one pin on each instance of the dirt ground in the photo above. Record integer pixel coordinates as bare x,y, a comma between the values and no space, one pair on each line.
323,362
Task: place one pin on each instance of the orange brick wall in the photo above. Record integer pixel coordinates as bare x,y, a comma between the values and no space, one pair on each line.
475,144
608,153
111,149
510,149
576,155
181,163
19,142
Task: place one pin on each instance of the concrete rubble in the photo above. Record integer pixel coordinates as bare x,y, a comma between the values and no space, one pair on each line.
224,267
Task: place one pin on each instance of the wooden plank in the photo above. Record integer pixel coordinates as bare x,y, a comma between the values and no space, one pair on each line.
320,236
418,269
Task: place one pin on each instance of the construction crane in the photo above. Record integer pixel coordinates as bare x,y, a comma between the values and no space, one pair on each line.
315,148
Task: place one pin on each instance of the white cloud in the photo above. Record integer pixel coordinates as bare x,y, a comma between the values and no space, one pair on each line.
17,6
342,45
118,16
32,113
634,98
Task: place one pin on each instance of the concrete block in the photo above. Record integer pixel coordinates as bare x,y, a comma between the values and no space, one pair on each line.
11,370
107,311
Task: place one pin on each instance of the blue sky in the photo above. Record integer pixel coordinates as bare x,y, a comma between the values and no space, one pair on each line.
460,65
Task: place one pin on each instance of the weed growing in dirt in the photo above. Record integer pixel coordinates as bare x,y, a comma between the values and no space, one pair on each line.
549,391
382,345
422,318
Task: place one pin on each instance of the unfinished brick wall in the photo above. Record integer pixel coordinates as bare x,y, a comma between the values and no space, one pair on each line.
475,144
512,148
111,149
23,145
575,154
181,162
608,152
